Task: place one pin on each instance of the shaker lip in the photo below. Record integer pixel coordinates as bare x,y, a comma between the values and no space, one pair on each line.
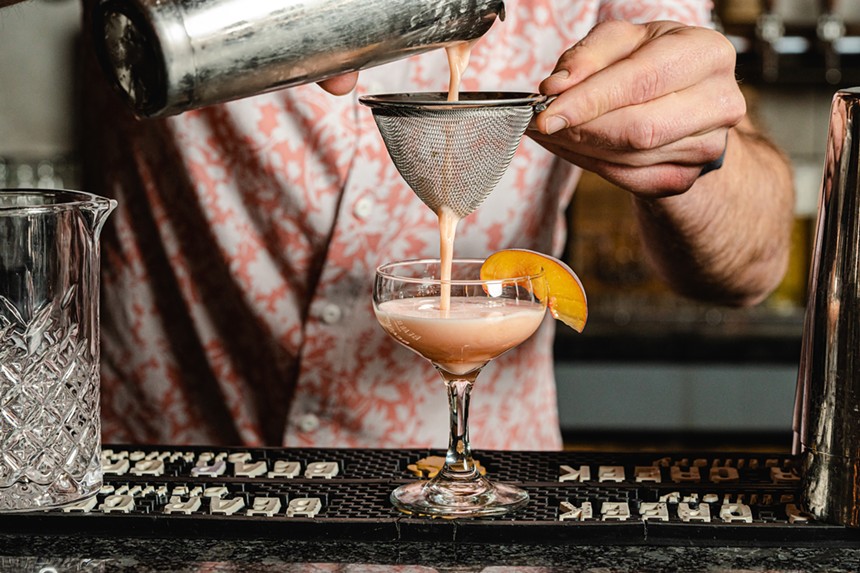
439,100
48,200
128,49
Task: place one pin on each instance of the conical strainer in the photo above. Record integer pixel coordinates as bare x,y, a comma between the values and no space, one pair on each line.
452,154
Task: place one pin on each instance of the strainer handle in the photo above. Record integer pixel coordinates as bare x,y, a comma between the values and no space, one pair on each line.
543,104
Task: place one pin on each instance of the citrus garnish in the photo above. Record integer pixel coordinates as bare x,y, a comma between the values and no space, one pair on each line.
566,297
431,465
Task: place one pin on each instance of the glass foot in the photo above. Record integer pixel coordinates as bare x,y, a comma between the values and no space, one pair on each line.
437,498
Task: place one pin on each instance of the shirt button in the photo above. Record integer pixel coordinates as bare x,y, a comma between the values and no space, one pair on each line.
308,422
363,207
331,313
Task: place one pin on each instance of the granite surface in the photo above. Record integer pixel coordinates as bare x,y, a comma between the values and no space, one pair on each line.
82,553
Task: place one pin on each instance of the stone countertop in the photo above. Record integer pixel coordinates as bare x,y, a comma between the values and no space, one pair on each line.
82,553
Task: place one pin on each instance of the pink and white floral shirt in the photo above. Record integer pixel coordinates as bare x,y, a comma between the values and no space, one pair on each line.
237,270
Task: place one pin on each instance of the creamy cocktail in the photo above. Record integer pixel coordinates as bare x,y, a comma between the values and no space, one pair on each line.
458,61
470,334
484,319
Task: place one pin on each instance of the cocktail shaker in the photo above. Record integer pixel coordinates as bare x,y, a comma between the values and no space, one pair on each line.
827,405
170,56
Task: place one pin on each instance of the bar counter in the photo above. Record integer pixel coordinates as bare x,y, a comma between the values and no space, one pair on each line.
79,553
272,509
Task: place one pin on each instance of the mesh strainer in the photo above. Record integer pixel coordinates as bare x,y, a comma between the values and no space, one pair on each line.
452,154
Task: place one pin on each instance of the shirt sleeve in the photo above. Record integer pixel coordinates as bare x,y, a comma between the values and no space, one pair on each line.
690,12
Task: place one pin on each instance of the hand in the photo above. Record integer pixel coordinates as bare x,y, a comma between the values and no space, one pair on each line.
644,106
340,85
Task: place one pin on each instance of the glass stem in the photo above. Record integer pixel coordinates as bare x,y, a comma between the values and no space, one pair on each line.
459,457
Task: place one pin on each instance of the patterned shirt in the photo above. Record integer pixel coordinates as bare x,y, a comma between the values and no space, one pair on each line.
237,270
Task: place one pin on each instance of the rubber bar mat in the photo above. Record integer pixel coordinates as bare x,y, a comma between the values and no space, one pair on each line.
342,494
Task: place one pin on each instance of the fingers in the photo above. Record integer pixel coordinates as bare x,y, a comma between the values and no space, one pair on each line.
659,180
621,64
340,85
644,106
693,151
604,45
656,148
686,128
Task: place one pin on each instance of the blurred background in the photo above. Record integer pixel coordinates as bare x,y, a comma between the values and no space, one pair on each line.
37,94
651,367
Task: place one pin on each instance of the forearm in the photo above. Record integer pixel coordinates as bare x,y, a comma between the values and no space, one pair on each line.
727,238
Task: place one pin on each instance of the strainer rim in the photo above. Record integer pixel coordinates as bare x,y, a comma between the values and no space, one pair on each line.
439,100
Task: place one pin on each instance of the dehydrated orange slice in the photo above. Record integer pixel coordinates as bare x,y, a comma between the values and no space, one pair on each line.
566,297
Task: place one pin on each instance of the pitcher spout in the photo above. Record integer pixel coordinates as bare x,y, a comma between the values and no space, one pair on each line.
97,212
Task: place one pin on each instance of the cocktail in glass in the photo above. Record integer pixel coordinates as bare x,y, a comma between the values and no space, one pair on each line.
484,319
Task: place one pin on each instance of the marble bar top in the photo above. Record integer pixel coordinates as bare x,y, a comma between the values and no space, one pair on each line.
82,553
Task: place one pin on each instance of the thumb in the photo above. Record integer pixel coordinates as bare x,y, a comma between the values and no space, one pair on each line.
340,85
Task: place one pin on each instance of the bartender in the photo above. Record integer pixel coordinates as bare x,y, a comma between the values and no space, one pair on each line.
237,269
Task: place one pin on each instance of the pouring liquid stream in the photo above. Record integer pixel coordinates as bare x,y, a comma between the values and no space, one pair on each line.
458,61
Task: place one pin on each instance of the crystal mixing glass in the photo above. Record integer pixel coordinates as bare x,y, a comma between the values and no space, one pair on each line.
50,444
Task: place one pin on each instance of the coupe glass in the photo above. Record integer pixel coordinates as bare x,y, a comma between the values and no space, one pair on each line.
484,319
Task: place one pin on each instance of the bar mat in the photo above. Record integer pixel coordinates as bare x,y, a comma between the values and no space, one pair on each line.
342,494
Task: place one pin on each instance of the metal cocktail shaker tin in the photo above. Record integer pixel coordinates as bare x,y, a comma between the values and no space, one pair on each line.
170,56
827,403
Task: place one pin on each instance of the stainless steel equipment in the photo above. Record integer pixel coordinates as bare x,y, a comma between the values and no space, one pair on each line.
827,405
169,56
452,154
